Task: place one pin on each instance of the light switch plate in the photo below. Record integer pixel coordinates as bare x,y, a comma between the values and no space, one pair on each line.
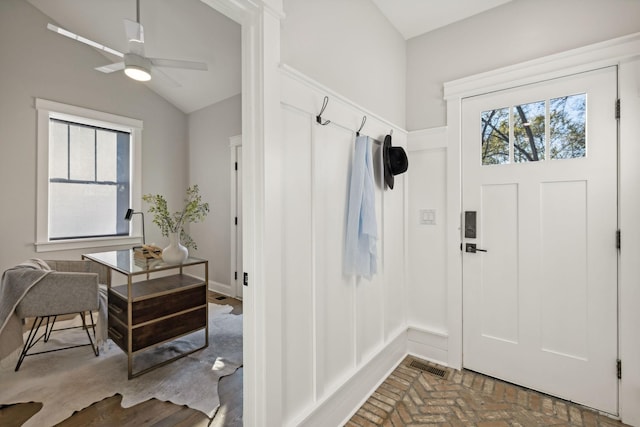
428,216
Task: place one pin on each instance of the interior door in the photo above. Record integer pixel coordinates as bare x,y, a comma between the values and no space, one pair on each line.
540,202
239,268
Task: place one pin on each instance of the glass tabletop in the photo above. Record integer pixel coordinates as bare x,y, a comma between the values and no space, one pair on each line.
130,262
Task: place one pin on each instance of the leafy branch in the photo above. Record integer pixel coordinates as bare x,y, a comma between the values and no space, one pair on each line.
194,211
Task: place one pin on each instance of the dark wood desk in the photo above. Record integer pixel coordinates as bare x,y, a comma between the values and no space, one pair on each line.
146,313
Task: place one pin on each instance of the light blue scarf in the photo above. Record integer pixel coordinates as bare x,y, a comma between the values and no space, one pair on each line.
362,231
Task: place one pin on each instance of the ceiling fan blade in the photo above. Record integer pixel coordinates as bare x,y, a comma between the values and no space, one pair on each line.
111,67
84,40
163,78
174,63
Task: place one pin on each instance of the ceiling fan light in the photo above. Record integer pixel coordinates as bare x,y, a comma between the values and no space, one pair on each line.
137,73
137,67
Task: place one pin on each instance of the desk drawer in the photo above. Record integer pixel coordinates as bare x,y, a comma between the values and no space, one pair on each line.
118,333
168,329
168,304
117,308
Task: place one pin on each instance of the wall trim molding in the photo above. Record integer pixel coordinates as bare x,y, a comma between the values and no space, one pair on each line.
428,344
334,96
345,401
427,139
221,288
561,64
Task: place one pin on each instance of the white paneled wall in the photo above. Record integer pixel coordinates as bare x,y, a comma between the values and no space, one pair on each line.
426,284
334,326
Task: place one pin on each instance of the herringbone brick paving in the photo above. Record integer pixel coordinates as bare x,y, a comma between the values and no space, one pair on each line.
413,397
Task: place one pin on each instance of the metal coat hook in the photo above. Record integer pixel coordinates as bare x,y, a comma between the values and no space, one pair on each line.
319,116
364,119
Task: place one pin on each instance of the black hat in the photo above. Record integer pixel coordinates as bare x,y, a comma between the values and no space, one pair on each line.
395,161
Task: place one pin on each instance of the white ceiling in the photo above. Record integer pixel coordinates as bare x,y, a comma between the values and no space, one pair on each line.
415,17
185,29
190,30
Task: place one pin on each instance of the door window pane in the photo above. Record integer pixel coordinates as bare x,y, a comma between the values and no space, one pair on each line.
567,124
495,136
528,132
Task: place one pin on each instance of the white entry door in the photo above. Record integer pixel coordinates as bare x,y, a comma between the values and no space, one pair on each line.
540,173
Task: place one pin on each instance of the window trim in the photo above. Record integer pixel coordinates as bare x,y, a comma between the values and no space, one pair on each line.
47,109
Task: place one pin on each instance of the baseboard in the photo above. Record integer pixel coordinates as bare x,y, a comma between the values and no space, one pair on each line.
428,345
221,288
340,406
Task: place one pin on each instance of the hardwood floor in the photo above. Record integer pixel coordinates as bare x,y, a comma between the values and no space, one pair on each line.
152,413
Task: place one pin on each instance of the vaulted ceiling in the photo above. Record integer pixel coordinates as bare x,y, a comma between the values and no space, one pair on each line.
185,29
191,30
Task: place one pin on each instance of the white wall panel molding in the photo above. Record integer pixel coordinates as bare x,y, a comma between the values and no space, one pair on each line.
308,101
427,139
427,237
428,345
334,326
337,407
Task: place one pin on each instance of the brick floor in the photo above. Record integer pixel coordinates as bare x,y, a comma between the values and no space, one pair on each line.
413,397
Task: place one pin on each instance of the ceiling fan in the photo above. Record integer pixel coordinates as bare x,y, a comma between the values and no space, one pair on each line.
135,64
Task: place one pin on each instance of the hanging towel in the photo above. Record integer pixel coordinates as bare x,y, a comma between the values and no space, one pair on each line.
362,231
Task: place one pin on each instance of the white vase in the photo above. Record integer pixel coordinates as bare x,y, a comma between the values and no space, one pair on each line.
175,253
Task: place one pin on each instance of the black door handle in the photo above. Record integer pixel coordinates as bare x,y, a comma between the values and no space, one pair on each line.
472,249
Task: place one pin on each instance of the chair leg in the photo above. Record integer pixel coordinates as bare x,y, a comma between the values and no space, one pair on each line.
31,340
49,328
95,348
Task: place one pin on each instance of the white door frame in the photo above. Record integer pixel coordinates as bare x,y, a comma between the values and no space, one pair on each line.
261,128
624,52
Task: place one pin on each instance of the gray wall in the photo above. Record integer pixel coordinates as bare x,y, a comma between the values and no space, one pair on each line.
351,48
515,32
36,63
209,166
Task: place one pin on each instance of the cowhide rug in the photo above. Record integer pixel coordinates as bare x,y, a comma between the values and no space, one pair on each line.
70,380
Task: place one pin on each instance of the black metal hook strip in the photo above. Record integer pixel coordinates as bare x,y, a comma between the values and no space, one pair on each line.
364,119
319,116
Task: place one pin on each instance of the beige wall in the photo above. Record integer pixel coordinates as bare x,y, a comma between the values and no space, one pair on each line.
351,48
518,31
209,166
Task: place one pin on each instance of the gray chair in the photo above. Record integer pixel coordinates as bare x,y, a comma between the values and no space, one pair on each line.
73,288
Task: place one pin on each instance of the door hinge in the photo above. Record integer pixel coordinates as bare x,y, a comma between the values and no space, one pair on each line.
235,275
236,165
619,368
618,108
246,279
618,239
